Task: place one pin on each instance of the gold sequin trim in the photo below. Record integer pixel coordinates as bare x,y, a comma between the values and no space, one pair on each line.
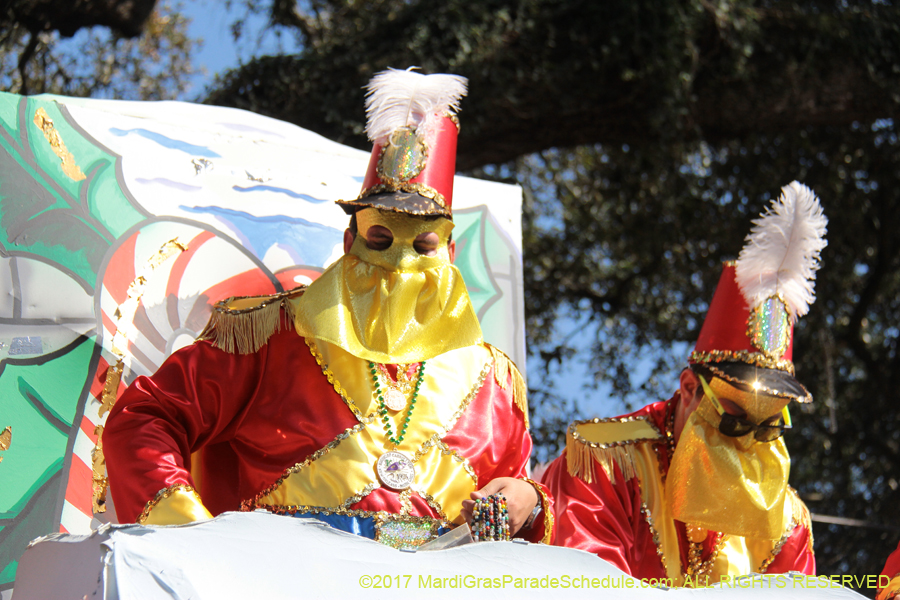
778,546
360,495
162,495
405,502
581,453
435,440
645,510
545,507
751,358
581,440
434,504
253,502
447,450
381,515
45,124
314,350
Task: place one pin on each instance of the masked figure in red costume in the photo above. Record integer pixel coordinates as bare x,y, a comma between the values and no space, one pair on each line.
889,580
694,489
369,399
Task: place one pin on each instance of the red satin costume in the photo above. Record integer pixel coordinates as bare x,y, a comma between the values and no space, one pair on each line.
256,415
607,519
889,581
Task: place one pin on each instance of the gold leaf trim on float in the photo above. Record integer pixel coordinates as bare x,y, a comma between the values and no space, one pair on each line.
384,522
124,318
5,440
67,161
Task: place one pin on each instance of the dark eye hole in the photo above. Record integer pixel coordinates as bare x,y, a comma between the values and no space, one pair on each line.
379,238
426,243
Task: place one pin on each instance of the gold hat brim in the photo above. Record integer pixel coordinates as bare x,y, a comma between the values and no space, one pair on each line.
772,382
405,202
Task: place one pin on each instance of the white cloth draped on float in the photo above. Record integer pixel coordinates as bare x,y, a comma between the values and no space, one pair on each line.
261,555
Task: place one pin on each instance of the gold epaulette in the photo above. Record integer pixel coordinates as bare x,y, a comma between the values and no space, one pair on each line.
503,367
243,324
609,442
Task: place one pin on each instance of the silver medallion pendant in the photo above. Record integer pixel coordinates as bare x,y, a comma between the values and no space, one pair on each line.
395,399
395,470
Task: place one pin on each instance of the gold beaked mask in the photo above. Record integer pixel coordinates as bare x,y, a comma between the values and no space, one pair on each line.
733,485
393,305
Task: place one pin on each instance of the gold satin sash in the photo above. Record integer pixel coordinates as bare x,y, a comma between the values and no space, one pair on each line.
345,473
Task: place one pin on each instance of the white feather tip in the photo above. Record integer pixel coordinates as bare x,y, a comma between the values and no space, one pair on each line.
398,99
781,253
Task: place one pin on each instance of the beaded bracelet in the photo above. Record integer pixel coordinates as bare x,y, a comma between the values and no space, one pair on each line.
490,519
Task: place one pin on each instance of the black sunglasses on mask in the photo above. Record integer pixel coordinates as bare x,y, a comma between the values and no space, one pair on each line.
734,426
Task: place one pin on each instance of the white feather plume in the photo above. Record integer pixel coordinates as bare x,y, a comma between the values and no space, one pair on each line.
408,99
781,254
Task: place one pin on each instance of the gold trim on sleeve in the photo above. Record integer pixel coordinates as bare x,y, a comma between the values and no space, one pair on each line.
174,505
545,507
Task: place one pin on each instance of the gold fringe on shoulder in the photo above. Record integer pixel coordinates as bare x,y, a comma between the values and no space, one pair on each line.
801,513
503,367
580,458
609,442
607,450
244,324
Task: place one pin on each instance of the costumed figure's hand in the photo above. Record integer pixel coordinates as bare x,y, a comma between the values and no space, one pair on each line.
521,498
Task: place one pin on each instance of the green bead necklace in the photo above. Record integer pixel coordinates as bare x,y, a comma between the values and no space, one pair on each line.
382,408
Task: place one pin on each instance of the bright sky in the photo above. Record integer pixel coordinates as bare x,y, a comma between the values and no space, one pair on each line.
211,21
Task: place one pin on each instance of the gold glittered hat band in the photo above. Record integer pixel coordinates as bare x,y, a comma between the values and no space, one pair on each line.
756,359
409,188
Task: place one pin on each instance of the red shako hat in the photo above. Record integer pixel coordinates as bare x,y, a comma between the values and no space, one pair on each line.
411,119
748,333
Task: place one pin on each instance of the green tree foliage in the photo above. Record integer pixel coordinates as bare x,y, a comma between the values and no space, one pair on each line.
647,135
124,49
